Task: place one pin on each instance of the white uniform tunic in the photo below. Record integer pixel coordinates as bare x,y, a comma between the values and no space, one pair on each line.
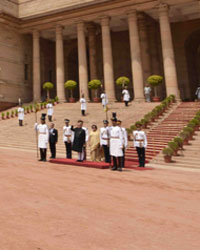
43,135
104,136
83,104
116,141
68,134
126,95
125,137
21,113
49,109
104,99
140,139
198,93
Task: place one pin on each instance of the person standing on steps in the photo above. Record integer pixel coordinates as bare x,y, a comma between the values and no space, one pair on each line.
125,141
147,93
68,138
197,93
126,96
49,107
104,99
116,145
43,137
83,105
79,140
20,114
140,143
53,139
104,140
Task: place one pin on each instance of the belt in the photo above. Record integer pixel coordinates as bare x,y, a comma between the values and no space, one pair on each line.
114,137
105,138
140,140
68,135
42,133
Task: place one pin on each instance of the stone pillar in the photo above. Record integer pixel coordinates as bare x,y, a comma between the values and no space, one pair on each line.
60,74
144,45
107,60
92,50
82,60
136,62
168,52
36,67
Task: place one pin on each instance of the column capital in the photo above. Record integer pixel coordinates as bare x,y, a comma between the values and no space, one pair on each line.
105,21
163,9
132,15
59,29
80,25
36,34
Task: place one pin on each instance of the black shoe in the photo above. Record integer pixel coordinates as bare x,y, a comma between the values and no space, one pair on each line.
79,160
114,169
119,169
44,160
40,160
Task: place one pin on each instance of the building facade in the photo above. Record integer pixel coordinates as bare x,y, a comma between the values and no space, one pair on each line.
98,39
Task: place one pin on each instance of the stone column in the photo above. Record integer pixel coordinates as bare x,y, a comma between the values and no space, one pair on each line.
168,52
60,74
144,45
82,60
107,60
36,67
92,50
136,62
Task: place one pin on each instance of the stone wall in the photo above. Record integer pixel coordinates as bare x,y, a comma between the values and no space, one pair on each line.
9,7
15,52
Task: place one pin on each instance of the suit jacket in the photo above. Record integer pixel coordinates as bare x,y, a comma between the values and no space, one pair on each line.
79,139
53,136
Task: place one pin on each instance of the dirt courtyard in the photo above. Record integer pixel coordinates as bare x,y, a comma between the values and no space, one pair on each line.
56,207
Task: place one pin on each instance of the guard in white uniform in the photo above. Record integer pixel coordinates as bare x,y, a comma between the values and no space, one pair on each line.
126,96
140,142
147,93
104,140
20,114
197,93
83,105
43,137
49,107
68,136
116,145
104,99
125,141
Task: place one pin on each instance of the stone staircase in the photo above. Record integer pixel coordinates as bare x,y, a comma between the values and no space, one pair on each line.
24,138
159,136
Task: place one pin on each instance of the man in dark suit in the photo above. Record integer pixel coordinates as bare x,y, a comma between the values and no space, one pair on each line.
53,139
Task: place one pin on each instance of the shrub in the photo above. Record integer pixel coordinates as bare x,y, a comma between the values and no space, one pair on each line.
70,85
48,86
133,127
2,115
16,112
188,129
173,145
167,151
129,131
184,134
94,84
56,99
123,81
154,81
179,141
31,107
12,113
7,114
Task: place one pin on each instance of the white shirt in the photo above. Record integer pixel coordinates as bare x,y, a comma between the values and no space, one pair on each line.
125,137
86,134
104,136
21,113
104,99
126,95
68,134
83,104
198,93
43,135
49,107
139,139
147,90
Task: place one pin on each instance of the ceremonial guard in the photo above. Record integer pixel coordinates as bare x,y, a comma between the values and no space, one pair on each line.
104,99
43,137
125,141
197,93
116,145
79,140
68,136
126,96
53,139
20,114
140,142
49,107
147,93
83,105
104,140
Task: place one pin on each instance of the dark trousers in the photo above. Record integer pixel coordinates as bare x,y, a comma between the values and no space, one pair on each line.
106,153
126,103
43,154
20,122
123,157
83,112
68,146
141,156
50,118
117,162
52,149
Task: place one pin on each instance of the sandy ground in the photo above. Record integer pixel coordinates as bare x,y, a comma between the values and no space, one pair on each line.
55,207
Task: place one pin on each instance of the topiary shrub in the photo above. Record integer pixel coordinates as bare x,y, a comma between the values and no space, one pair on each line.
48,86
167,151
70,85
94,85
154,81
123,81
179,141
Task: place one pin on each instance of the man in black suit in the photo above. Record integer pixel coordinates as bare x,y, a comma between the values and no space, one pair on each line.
53,139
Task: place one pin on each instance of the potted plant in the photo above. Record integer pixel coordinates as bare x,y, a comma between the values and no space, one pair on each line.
16,112
71,85
185,136
133,127
129,133
190,131
172,98
167,152
7,114
2,115
31,107
27,110
48,86
174,146
12,113
56,100
179,141
41,105
144,123
122,82
155,81
94,85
